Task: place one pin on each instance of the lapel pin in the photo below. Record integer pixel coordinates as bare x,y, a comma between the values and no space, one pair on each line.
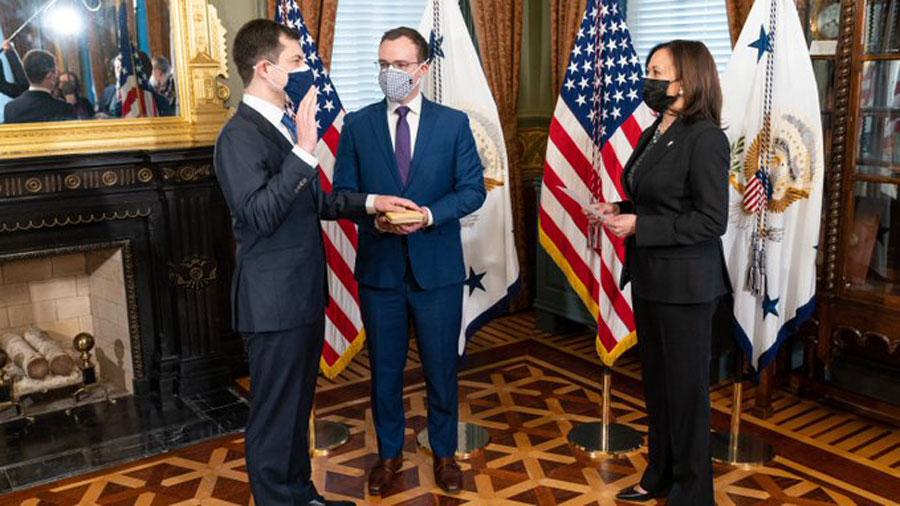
670,143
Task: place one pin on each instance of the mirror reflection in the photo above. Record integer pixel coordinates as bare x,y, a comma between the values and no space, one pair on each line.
85,59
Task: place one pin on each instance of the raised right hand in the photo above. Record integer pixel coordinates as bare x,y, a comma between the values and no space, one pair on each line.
305,118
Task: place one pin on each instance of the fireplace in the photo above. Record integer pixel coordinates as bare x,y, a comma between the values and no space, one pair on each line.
133,248
67,291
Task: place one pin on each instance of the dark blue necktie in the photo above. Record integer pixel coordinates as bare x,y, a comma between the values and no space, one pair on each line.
291,126
402,145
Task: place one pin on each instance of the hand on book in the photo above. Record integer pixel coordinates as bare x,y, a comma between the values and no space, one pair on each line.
391,204
402,222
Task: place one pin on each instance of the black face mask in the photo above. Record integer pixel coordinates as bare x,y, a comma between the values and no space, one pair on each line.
655,95
68,88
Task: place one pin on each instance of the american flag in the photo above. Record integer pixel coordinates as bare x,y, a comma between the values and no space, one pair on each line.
344,334
598,120
757,193
134,93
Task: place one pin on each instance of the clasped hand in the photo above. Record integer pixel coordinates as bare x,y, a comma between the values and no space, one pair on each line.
399,204
387,204
607,214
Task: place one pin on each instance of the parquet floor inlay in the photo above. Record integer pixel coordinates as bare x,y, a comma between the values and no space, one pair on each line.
528,389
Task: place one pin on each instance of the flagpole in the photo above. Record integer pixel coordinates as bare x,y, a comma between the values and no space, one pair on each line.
605,439
28,21
734,448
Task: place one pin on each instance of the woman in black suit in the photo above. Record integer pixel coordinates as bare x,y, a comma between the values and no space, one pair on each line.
677,185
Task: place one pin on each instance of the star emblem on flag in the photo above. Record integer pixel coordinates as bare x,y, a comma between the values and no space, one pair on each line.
762,44
770,306
435,46
474,282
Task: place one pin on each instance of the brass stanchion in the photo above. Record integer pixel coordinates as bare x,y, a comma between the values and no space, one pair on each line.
605,438
470,440
734,448
325,436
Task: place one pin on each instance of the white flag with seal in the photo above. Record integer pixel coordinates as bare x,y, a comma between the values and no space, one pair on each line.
771,116
457,80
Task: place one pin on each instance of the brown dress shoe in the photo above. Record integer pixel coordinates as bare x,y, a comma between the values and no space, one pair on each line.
447,474
382,475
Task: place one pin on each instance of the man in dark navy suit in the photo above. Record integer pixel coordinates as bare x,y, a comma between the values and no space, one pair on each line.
268,174
424,151
37,104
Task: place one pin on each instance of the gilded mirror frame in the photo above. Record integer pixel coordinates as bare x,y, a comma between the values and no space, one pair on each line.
200,54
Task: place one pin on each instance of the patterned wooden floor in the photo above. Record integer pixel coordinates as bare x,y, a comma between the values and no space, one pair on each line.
528,390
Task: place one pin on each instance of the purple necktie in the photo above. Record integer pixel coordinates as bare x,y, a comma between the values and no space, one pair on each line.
401,147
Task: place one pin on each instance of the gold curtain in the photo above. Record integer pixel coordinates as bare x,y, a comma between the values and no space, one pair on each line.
498,25
320,17
737,15
565,19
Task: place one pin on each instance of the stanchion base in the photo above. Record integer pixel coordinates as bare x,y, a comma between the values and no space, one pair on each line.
329,436
622,439
471,439
748,452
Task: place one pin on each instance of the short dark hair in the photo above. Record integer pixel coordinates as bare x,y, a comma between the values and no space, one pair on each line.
38,64
699,76
258,39
411,34
162,63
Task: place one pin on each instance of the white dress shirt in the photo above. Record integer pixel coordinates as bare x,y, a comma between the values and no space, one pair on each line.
273,115
38,88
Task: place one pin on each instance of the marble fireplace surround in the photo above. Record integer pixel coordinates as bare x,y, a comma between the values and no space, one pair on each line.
164,211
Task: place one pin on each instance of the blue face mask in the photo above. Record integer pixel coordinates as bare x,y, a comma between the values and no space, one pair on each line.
298,84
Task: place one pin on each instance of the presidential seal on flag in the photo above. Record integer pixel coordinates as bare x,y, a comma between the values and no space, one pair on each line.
792,169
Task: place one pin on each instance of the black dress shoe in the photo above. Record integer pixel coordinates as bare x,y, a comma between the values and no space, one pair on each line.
631,494
321,501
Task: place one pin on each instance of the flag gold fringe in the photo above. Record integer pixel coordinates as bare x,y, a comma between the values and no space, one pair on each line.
608,357
332,371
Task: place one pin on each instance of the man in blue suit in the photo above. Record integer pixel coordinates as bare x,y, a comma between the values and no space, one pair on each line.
415,148
268,174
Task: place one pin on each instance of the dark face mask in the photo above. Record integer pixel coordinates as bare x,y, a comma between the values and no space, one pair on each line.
298,84
68,88
655,95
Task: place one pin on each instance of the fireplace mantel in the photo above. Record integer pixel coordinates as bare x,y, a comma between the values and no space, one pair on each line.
167,210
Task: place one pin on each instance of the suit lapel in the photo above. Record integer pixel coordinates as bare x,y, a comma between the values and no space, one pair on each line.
642,143
423,137
268,130
379,121
666,143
